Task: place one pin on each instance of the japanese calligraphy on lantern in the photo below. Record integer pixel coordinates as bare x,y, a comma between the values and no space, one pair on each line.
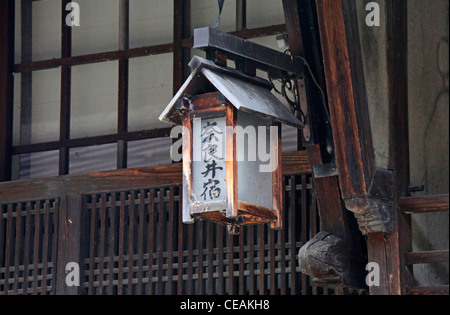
209,168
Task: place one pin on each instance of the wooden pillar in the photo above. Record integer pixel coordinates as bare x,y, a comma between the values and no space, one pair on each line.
7,13
65,106
334,219
122,125
369,192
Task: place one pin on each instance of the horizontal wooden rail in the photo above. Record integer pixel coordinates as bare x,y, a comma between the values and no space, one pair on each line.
427,204
89,141
137,52
428,257
439,290
293,163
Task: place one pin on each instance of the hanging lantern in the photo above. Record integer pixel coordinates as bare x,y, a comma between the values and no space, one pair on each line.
231,146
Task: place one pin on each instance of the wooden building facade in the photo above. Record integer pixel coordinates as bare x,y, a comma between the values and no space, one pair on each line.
123,225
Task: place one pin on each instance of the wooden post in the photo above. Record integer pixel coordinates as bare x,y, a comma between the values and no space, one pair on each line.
69,242
7,13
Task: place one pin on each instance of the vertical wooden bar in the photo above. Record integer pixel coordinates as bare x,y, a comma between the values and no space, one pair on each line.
130,245
262,258
241,290
54,258
122,125
220,268
170,241
2,237
304,228
200,230
190,264
231,264
241,15
272,262
25,85
101,250
8,245
93,244
251,253
292,233
231,162
161,240
36,248
180,284
17,247
45,244
397,67
66,51
113,231
121,243
7,15
209,242
26,259
140,273
151,231
71,219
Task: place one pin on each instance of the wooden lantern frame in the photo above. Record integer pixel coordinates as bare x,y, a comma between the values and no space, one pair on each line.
234,211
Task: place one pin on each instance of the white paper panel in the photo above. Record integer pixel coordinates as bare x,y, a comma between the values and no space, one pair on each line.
150,91
94,99
99,27
262,13
46,29
46,88
151,22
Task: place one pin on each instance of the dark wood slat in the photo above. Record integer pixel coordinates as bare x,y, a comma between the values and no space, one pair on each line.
17,247
122,210
251,253
220,245
101,247
190,260
210,227
262,257
272,261
54,244
66,88
241,262
439,290
170,241
93,243
427,257
7,15
27,243
141,225
45,244
161,239
292,232
181,229
151,240
36,248
113,215
8,245
427,204
304,228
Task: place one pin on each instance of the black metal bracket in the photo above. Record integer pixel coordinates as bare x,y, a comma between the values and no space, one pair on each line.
237,49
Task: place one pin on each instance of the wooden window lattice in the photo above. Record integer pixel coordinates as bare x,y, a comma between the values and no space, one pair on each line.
28,247
137,244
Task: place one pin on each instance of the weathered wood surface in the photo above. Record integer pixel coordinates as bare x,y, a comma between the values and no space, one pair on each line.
439,290
50,187
425,204
426,257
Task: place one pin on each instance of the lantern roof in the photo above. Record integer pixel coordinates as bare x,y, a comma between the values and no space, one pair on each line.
245,93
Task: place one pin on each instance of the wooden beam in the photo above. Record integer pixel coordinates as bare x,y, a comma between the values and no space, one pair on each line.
430,257
7,13
346,94
427,204
139,178
439,290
